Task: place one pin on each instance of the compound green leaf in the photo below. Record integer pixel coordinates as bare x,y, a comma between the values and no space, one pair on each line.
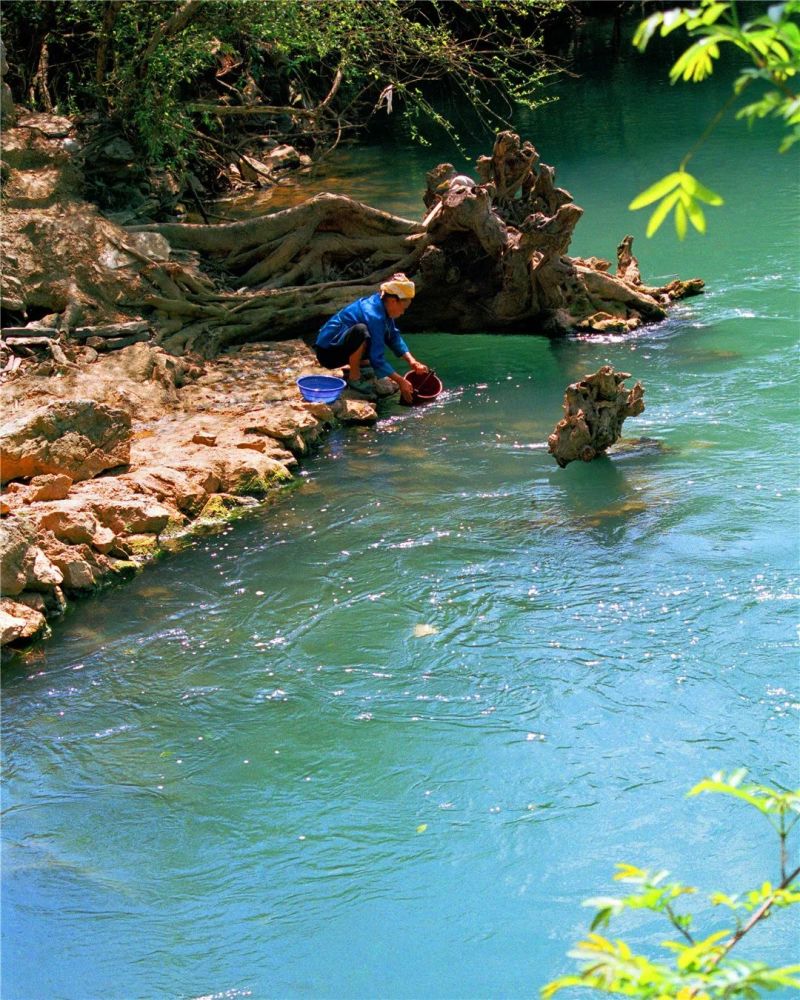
662,211
656,191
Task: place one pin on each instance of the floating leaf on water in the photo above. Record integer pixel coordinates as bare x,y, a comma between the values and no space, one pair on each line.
420,631
422,828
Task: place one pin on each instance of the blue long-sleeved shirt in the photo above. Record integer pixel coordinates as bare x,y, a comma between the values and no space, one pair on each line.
383,331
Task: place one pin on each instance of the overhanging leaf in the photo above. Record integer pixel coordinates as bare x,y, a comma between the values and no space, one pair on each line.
662,212
699,191
696,63
696,216
646,30
680,220
656,191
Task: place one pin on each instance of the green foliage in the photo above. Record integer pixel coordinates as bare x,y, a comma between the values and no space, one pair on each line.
681,192
771,45
694,968
777,806
650,895
318,67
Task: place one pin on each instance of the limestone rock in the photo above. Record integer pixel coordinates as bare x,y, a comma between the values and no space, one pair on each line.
235,470
117,506
170,486
41,488
283,157
204,437
23,564
17,537
50,603
254,170
19,622
82,568
70,526
354,411
292,425
78,438
42,575
33,600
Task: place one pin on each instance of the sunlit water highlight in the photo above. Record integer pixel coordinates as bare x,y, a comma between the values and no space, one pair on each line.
381,739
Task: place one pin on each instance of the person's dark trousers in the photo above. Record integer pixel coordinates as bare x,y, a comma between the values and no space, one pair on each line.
338,355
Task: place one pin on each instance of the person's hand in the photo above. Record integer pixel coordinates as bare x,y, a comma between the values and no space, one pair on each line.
406,391
419,367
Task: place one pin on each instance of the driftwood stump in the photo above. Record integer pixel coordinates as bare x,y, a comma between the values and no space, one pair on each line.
594,411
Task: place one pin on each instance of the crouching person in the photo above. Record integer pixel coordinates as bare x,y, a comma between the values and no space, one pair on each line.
357,336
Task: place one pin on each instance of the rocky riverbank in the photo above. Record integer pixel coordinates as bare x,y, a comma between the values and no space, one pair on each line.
113,450
107,465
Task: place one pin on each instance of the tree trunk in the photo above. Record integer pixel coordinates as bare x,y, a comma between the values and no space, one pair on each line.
182,16
109,17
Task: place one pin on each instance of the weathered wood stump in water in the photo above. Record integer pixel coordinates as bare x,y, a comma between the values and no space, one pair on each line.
594,410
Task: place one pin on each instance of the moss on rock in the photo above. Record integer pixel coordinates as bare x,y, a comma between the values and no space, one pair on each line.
223,507
259,485
123,569
143,546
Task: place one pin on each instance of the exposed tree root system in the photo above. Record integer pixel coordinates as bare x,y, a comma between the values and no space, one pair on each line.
490,255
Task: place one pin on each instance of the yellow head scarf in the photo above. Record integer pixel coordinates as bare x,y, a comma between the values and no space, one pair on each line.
399,285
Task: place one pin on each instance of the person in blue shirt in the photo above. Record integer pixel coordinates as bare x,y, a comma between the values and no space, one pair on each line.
358,335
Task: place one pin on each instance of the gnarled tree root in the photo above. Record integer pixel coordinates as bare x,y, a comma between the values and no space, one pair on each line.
490,255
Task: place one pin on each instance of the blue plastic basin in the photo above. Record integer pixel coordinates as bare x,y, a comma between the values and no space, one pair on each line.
320,388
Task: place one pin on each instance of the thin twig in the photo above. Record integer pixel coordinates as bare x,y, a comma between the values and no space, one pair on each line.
757,915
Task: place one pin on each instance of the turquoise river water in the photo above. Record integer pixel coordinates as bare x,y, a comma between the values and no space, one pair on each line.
382,738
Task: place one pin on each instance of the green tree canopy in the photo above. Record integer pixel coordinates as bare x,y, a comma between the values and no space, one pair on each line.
176,78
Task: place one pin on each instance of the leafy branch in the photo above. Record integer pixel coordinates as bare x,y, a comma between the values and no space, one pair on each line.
771,43
700,968
178,77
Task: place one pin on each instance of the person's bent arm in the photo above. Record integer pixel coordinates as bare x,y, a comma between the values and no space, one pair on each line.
406,389
417,366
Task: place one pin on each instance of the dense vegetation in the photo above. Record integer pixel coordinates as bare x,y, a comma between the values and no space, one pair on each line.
193,84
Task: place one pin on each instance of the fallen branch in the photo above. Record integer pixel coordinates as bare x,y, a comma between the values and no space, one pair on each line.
111,330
